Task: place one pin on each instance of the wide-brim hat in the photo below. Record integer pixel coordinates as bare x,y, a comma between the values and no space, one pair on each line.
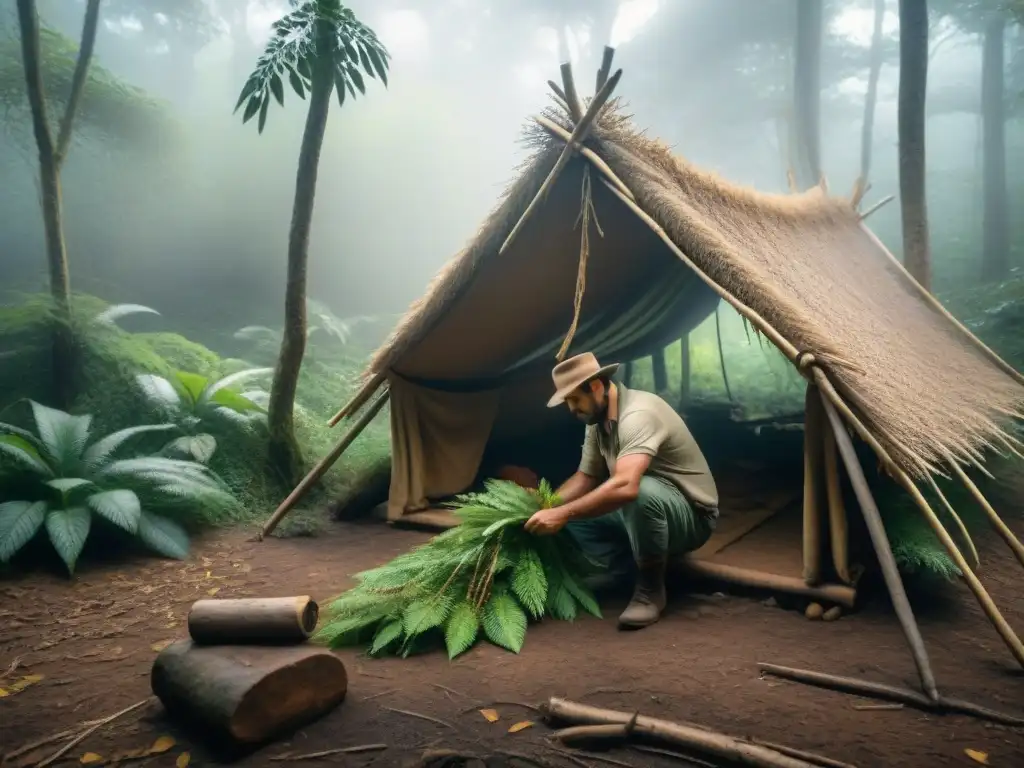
569,375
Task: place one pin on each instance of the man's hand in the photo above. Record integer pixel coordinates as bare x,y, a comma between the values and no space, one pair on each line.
547,522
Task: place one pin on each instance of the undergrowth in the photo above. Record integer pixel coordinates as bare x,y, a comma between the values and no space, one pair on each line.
485,574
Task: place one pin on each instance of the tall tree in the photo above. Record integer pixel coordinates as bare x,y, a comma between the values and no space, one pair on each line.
320,47
913,88
807,91
52,152
867,137
996,228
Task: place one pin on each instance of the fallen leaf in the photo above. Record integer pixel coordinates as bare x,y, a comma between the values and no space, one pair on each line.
491,715
161,645
20,685
976,756
209,574
3,693
183,760
520,726
212,592
90,758
161,745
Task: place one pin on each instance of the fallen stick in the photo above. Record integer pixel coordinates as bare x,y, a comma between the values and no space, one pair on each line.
259,620
707,742
670,753
410,713
32,747
575,757
578,735
329,752
811,757
88,732
943,705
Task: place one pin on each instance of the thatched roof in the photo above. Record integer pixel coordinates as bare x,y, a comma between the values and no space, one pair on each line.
806,264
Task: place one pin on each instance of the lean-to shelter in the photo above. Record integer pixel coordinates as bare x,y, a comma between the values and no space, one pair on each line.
606,241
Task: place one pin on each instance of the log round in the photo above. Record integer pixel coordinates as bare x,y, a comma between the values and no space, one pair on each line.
266,620
246,693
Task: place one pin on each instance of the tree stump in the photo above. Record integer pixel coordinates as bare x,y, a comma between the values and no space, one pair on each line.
245,693
260,620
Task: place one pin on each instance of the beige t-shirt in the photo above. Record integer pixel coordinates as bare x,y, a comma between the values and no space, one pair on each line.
642,423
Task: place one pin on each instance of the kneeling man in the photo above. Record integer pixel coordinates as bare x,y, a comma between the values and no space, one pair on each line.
643,488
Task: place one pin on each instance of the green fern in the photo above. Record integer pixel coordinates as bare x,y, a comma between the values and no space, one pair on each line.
486,573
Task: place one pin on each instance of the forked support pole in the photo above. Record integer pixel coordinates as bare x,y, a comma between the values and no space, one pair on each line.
814,424
324,464
883,550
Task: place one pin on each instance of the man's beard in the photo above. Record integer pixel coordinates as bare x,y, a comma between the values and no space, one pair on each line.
596,417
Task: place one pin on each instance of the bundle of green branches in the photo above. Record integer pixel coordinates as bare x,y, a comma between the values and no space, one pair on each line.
485,573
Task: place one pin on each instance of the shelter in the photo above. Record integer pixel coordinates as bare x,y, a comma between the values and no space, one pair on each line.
648,245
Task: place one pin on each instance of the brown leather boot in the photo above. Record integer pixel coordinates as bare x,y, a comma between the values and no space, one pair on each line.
648,596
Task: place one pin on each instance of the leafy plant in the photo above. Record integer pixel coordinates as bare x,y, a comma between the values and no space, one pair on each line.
191,400
115,312
62,482
486,574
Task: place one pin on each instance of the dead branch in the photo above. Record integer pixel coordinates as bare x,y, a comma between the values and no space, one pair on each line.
856,686
329,752
452,691
811,757
89,731
419,716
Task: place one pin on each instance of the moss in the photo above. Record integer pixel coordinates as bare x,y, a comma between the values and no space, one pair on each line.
183,354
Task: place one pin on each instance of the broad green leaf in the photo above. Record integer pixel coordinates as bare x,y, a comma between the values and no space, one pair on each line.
192,385
461,629
379,63
159,392
121,507
19,521
251,108
202,447
263,113
582,595
22,451
24,434
236,378
355,77
530,584
163,536
247,90
65,485
339,86
425,614
97,453
277,88
296,83
68,529
64,435
504,622
115,312
386,635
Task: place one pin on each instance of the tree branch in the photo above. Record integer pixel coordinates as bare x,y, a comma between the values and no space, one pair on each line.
28,21
86,47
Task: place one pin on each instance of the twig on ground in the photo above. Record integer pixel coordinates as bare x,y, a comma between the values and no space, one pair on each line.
373,696
878,707
537,761
570,756
890,692
521,704
452,691
89,731
428,718
810,757
574,757
48,740
10,669
328,752
604,689
675,755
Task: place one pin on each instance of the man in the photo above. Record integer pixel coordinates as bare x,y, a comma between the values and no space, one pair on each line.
643,487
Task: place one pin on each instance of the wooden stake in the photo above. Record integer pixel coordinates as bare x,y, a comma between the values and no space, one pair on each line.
572,98
839,535
580,132
883,550
814,418
1008,536
961,528
324,464
752,317
840,594
935,304
860,188
358,399
606,67
559,93
884,201
560,133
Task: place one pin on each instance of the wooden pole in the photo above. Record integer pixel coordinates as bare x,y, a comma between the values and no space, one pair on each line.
884,201
606,67
560,133
1008,536
935,304
883,550
324,464
358,399
580,132
839,535
572,98
840,594
814,420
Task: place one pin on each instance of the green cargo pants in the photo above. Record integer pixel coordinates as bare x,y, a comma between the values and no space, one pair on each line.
660,523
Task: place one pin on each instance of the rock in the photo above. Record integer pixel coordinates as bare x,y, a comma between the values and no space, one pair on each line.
771,602
832,613
814,611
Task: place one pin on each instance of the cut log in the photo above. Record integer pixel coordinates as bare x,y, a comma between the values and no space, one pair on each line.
839,594
248,694
259,620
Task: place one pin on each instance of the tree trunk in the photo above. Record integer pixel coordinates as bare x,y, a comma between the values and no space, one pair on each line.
284,455
867,136
911,118
660,371
807,91
996,236
51,157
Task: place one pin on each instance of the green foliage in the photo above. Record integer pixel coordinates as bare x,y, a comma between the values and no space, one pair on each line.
315,29
191,401
485,574
110,109
59,477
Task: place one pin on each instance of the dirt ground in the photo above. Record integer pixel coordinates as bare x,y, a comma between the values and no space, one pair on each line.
91,643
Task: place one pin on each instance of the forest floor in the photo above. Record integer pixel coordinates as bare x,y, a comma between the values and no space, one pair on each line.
87,647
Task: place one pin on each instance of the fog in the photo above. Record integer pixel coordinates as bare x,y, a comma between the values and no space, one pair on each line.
192,218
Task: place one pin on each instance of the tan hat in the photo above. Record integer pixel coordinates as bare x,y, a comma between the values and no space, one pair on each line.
573,373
